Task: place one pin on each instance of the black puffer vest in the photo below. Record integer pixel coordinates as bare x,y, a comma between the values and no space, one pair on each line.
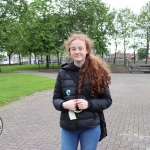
87,118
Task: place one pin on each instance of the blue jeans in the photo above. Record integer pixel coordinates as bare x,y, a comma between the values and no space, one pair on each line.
88,138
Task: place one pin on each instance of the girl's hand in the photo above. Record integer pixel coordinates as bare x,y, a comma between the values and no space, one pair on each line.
71,104
82,104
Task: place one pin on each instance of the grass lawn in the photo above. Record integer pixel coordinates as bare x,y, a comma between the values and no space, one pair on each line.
12,68
14,86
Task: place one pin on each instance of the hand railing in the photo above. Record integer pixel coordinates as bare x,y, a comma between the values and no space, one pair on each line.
129,65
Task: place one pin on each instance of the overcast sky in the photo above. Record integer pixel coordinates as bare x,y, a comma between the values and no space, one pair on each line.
135,5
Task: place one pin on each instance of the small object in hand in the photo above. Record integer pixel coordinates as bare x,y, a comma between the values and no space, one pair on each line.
77,111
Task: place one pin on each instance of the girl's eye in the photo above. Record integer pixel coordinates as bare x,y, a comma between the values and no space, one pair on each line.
80,48
73,49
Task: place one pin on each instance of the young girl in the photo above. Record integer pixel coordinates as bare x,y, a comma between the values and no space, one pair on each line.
81,94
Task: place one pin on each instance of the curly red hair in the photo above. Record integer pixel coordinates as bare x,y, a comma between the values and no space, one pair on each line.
94,68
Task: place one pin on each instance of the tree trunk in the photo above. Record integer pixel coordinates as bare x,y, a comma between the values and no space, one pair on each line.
124,56
30,59
35,59
115,54
47,62
58,58
147,48
20,60
41,60
134,56
124,52
9,58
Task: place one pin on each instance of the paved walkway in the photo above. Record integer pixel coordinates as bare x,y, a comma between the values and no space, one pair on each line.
32,123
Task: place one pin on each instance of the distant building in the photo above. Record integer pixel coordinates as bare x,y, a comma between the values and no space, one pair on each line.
121,56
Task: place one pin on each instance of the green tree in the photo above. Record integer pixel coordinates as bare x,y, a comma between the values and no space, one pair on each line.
125,18
42,29
12,25
102,26
115,33
97,25
144,26
142,53
135,39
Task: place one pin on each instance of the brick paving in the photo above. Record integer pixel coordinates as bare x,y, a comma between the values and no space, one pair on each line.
32,123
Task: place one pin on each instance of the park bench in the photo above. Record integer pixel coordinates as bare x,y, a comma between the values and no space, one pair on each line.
144,69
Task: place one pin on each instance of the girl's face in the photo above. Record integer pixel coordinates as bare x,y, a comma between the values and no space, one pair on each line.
78,51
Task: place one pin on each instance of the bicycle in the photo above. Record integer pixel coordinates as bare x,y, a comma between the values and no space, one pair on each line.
1,125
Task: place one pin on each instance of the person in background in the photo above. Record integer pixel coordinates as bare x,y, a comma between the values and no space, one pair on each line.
81,97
